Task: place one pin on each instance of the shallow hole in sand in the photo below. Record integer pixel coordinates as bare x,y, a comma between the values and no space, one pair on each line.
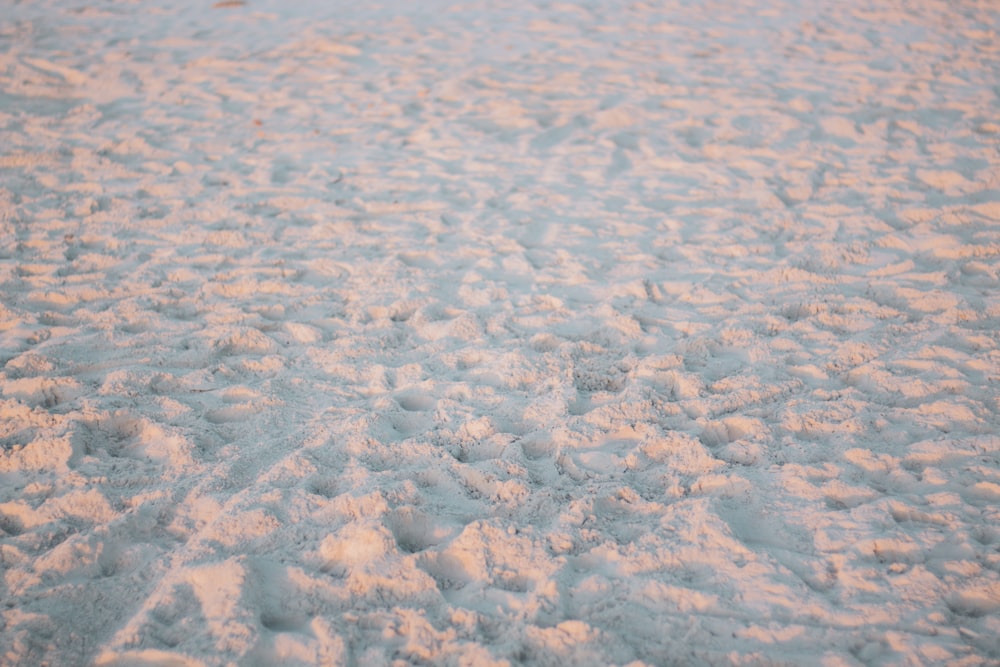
416,401
282,622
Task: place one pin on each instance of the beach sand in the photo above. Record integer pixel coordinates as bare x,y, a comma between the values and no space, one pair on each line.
500,333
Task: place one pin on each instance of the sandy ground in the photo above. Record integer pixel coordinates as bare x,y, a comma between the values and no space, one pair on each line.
500,333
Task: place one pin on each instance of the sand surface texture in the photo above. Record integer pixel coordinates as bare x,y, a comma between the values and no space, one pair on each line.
500,333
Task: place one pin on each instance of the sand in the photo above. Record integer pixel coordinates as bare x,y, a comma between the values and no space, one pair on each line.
500,333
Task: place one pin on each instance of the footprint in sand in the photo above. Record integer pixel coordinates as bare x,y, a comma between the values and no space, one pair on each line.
606,456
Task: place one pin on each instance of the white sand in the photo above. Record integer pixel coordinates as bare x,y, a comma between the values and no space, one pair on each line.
496,333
